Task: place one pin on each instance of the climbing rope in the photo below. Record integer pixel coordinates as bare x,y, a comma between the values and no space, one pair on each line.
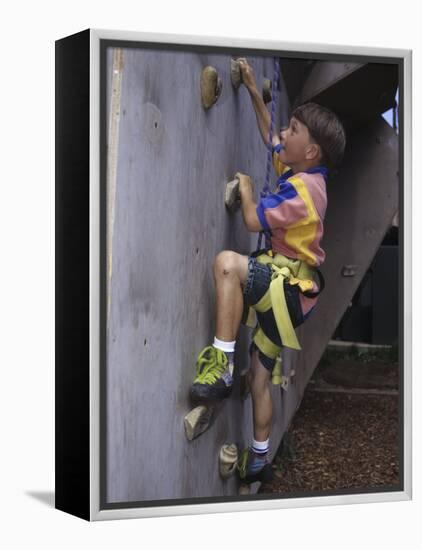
266,188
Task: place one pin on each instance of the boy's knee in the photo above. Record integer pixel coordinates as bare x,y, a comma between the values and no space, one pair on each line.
258,379
259,387
225,262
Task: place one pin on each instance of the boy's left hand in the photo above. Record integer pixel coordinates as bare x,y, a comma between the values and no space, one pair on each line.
245,184
248,205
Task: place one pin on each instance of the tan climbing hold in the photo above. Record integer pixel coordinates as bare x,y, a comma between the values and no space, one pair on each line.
266,90
227,460
235,72
197,421
244,489
232,197
211,86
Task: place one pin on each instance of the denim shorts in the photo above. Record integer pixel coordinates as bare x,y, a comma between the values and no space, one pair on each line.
257,284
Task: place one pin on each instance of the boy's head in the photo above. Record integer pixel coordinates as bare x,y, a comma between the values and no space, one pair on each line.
315,136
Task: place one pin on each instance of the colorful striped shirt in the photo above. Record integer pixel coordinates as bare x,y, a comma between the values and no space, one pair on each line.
294,215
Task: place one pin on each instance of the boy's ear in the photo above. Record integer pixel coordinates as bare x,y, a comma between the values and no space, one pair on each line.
313,151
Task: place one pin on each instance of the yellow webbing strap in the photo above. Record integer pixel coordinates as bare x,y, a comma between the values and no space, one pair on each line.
277,374
304,284
263,343
264,303
251,318
281,313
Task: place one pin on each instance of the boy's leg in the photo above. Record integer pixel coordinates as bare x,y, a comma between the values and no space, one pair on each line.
253,464
262,403
214,379
230,274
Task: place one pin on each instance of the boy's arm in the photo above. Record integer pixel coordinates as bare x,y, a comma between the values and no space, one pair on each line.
277,211
248,206
262,115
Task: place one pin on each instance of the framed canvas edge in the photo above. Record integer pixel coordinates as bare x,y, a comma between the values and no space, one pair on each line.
247,506
227,42
96,513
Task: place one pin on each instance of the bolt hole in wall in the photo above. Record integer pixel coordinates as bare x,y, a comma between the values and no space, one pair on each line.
372,316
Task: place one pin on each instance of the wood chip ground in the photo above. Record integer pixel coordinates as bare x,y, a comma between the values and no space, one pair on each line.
339,441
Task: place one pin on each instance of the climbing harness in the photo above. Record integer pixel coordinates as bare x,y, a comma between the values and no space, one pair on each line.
284,271
294,272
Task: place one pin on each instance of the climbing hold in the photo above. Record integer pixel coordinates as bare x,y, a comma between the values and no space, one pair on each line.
198,420
211,86
266,90
232,197
244,489
227,460
348,270
235,72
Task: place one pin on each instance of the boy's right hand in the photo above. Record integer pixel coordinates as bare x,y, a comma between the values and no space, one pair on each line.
248,77
245,184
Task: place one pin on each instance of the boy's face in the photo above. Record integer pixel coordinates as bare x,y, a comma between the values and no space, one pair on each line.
298,146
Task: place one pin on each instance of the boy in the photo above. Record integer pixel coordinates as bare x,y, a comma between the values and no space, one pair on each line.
285,277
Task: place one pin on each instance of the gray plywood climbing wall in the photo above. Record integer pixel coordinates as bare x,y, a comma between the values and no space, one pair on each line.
168,165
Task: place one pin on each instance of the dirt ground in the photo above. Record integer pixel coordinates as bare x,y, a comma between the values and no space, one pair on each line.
345,433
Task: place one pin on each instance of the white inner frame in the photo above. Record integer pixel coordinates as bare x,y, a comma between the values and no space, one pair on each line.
406,96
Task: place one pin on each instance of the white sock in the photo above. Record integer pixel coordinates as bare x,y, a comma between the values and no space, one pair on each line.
227,347
260,447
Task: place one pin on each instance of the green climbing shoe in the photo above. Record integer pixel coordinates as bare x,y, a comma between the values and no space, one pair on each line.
213,381
252,468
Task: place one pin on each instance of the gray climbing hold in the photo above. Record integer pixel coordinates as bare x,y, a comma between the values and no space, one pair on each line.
266,90
232,197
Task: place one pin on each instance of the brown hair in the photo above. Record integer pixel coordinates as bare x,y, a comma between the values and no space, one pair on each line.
325,129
